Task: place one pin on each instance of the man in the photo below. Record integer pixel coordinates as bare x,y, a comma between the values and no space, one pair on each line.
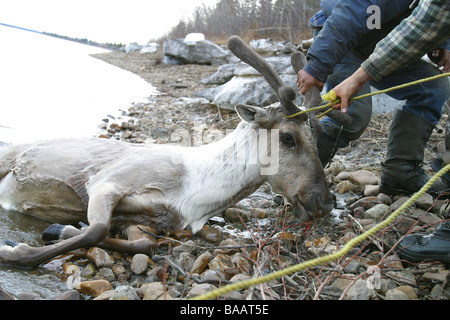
395,60
345,41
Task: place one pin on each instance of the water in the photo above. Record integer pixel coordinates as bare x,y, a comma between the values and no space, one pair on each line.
52,88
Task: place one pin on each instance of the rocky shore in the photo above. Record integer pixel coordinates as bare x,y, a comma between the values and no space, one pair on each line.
259,235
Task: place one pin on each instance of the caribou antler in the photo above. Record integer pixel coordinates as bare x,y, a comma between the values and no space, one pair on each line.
312,96
285,94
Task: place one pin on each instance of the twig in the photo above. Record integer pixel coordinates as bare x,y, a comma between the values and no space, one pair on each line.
179,269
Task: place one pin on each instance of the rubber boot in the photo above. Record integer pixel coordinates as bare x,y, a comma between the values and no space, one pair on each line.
435,246
402,172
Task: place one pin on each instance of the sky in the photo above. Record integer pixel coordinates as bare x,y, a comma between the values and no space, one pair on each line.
113,21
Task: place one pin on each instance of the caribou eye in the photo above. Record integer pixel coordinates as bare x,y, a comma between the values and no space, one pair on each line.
288,140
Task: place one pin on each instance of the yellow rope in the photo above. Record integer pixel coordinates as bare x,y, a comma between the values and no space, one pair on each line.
331,96
321,260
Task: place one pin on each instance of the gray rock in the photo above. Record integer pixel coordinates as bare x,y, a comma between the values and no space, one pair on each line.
125,293
200,289
139,263
201,52
249,87
377,212
224,74
359,291
394,294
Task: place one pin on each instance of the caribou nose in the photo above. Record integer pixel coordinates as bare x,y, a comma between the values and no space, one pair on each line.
314,205
324,204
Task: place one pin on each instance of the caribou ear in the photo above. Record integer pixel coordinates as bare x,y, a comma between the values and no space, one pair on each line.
252,114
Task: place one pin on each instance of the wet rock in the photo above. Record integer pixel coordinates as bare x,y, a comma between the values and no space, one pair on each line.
69,295
377,212
201,262
93,287
107,274
185,261
28,296
124,293
118,269
88,271
70,268
100,257
210,234
139,263
182,234
221,262
5,296
236,215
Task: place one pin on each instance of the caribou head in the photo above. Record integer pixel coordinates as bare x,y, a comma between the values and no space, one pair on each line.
300,177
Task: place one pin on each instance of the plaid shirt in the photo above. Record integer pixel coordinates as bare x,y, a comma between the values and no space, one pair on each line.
426,28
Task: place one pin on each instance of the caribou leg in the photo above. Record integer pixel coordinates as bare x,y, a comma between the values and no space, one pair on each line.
100,207
138,241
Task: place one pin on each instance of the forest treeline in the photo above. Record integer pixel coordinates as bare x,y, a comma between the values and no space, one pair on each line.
251,19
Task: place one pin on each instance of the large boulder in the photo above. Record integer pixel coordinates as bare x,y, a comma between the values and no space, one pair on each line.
269,47
247,85
195,52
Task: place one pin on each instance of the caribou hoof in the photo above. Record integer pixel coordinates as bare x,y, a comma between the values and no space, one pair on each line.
54,232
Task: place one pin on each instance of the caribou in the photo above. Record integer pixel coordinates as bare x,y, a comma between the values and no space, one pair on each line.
113,185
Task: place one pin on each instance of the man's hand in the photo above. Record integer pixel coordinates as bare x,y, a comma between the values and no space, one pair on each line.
305,82
349,87
443,56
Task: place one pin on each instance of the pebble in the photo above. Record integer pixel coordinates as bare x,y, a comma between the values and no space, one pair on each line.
93,287
201,262
377,212
200,289
395,294
69,295
409,291
100,257
139,263
425,201
220,262
124,293
371,190
154,291
363,178
360,290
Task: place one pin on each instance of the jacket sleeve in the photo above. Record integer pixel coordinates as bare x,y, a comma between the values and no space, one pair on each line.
342,31
424,30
